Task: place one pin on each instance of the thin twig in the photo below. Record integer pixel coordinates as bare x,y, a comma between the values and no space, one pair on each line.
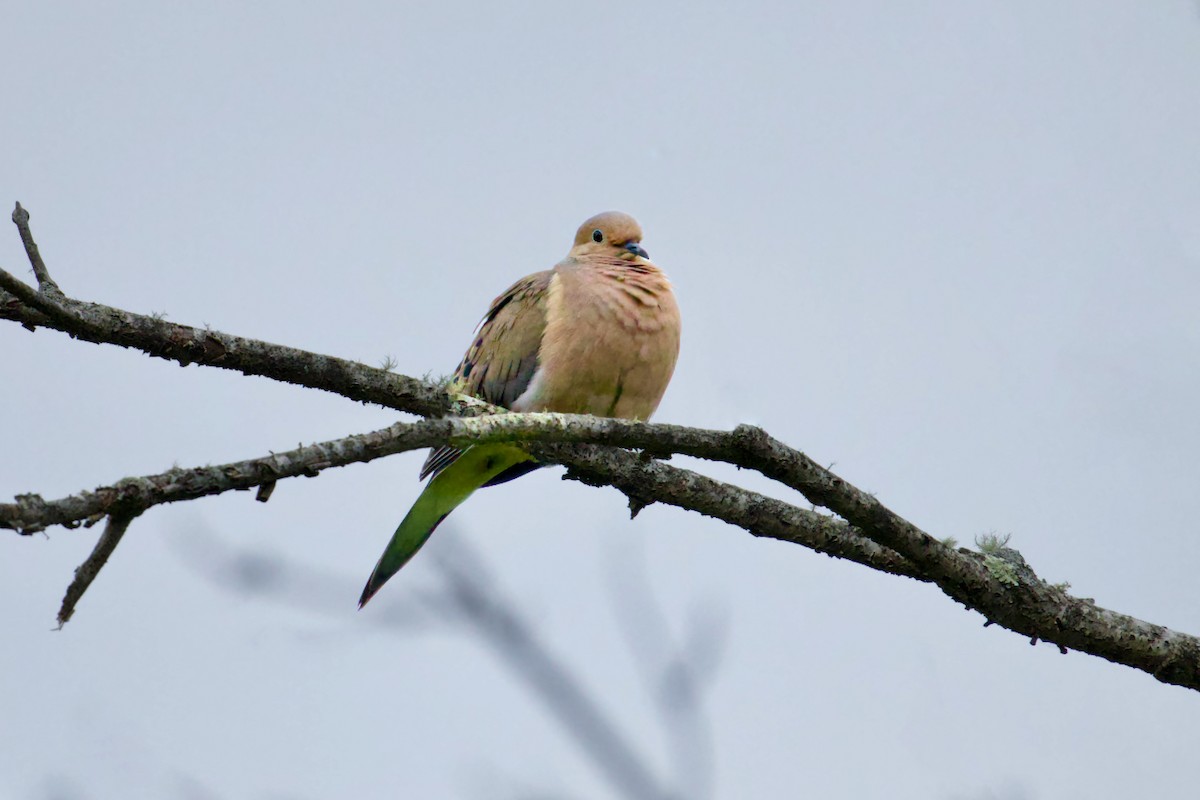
21,218
86,572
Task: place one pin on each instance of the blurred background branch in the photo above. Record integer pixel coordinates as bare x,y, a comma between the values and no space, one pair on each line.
468,598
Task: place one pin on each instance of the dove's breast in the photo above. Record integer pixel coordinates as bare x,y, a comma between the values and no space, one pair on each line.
610,343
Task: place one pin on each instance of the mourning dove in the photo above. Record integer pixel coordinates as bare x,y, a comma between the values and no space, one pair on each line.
597,334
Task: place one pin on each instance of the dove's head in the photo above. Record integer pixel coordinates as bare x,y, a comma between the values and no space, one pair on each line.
610,234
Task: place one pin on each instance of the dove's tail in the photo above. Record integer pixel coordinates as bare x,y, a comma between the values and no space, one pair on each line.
449,488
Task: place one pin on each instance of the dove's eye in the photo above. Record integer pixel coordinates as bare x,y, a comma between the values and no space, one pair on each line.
597,235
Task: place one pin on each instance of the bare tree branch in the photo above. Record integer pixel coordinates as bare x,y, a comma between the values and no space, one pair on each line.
93,322
998,584
752,511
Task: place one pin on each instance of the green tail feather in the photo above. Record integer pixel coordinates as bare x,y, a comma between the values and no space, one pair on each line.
449,488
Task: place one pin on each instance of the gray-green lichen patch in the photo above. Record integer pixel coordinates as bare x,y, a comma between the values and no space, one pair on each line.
1001,570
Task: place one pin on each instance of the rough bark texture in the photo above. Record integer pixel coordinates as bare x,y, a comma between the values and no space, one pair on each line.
997,583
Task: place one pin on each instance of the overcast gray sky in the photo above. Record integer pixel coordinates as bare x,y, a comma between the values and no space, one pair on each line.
951,248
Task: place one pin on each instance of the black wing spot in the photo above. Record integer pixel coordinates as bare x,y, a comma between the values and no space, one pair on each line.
500,304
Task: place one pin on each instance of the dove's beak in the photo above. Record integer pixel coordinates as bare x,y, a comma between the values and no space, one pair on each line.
637,250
